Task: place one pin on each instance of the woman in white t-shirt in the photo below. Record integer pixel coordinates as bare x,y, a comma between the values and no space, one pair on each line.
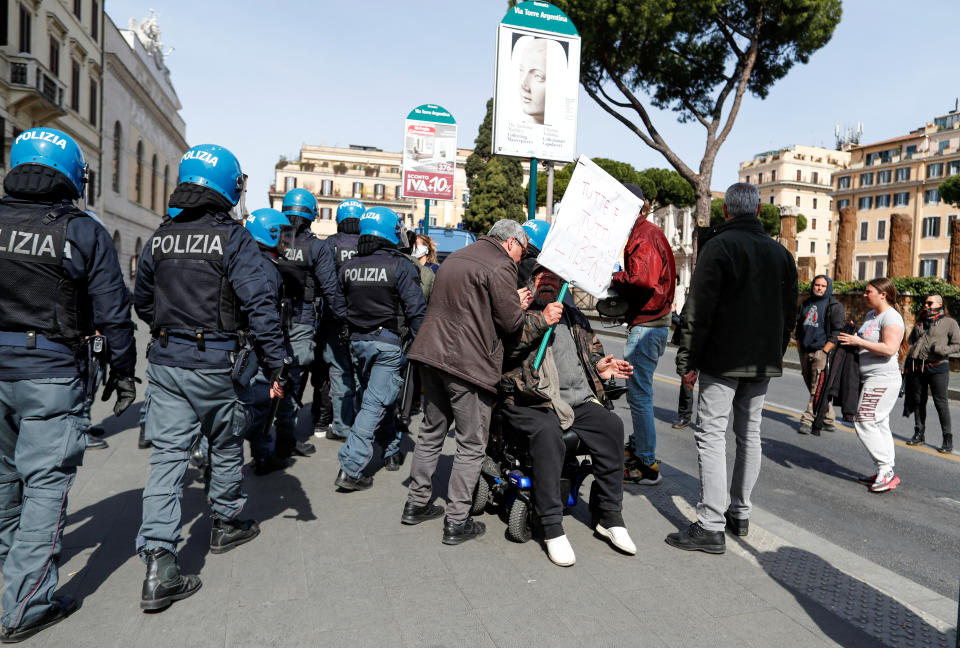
879,340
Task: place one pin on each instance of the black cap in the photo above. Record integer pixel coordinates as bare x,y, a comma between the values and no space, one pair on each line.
634,189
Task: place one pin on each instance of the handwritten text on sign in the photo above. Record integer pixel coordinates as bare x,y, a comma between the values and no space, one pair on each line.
592,226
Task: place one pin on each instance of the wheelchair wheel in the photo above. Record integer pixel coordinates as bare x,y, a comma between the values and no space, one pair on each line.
481,495
518,526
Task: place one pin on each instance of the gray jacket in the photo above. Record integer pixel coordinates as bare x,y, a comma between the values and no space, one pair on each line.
938,343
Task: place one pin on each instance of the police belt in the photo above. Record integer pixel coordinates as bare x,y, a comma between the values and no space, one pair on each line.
378,334
216,345
32,340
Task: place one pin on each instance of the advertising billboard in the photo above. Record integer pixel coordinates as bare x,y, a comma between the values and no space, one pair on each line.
429,153
537,84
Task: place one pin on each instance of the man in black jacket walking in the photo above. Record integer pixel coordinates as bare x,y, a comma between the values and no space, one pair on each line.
738,319
820,319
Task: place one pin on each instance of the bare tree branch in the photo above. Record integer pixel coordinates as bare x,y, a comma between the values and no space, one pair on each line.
728,36
745,75
700,118
621,104
731,26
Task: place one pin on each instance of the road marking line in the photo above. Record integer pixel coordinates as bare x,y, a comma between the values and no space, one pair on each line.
794,413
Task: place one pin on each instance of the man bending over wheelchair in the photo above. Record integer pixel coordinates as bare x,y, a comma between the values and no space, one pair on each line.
566,393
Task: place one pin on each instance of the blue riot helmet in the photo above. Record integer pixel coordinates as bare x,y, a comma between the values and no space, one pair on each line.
51,148
382,222
350,209
267,226
212,166
299,202
173,212
536,230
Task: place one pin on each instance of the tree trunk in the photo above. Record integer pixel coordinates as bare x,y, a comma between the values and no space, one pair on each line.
788,232
702,192
846,231
953,261
899,257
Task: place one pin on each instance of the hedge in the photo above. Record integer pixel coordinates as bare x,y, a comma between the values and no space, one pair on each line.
916,286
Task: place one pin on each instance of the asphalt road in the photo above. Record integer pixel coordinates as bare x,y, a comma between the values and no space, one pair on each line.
811,481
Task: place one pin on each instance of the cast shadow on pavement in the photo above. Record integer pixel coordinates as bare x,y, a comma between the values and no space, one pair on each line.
790,455
113,425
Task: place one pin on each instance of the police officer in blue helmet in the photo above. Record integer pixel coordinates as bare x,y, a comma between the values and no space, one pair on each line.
59,282
272,232
385,308
201,288
309,286
335,354
537,230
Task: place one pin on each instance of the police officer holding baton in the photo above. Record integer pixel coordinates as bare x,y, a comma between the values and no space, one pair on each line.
59,282
200,285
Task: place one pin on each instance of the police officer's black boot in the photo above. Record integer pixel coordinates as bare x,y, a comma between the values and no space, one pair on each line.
227,534
164,583
917,436
947,446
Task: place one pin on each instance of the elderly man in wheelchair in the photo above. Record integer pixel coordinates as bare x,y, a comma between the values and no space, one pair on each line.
566,395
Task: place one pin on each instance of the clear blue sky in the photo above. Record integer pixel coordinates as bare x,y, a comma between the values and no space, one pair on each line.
263,78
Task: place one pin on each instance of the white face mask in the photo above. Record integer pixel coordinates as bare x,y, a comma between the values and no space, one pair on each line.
420,251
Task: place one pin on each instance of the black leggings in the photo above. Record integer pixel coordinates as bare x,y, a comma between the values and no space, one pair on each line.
937,384
601,432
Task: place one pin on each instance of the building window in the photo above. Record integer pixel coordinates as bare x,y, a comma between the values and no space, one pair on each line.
813,247
943,146
828,248
813,225
829,225
881,231
289,183
843,182
166,187
153,183
378,191
396,192
928,267
747,180
117,152
862,270
866,179
91,189
883,177
931,197
902,174
358,190
864,230
771,200
953,167
138,180
816,178
930,227
55,56
878,269
843,202
760,178
93,102
326,188
326,213
799,178
935,170
75,85
901,199
865,202
95,20
797,201
814,203
26,27
78,9
773,176
882,201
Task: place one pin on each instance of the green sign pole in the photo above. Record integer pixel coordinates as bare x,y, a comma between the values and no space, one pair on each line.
532,201
546,336
426,216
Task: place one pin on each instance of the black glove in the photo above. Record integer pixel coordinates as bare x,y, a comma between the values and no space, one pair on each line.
126,392
345,335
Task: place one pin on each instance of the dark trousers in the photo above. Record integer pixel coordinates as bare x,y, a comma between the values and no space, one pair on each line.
601,432
936,384
685,402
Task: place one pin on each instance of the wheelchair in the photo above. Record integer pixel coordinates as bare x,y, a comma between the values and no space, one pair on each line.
506,476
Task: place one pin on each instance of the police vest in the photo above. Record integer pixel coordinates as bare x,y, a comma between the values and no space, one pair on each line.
191,288
296,267
370,290
36,294
344,247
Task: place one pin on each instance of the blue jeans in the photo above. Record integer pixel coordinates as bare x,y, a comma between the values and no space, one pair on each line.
303,345
645,345
379,372
343,393
41,445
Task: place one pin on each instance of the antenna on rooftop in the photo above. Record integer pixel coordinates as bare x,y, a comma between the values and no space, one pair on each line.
849,135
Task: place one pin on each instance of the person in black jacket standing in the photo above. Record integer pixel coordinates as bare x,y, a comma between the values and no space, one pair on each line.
819,321
738,319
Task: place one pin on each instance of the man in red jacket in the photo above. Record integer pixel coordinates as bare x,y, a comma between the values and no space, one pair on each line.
647,282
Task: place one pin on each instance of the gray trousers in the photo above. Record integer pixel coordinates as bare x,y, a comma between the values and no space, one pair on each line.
717,396
41,445
185,403
447,399
303,344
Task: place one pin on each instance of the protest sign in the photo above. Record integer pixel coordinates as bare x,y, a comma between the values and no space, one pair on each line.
592,225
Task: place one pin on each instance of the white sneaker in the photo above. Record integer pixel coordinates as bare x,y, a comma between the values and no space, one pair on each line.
560,552
619,538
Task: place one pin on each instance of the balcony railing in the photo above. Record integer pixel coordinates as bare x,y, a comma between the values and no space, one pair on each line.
27,72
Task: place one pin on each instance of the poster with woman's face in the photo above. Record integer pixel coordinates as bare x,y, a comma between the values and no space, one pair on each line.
535,102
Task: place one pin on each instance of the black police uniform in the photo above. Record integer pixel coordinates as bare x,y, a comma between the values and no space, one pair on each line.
59,281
